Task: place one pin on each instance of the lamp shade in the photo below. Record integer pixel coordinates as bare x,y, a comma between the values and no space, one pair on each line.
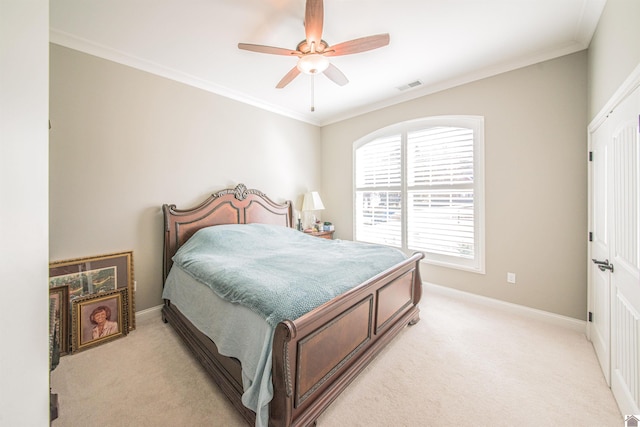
312,202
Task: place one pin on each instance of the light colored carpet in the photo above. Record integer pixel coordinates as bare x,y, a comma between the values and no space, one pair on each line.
463,363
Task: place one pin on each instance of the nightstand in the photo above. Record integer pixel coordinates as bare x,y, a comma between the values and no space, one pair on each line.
322,234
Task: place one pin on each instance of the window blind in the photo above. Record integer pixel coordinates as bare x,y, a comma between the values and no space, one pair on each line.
440,191
440,156
379,163
378,197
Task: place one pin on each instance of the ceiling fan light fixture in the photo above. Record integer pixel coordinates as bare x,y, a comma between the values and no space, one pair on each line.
312,63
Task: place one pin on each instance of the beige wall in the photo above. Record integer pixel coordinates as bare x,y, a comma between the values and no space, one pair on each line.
614,51
536,180
123,142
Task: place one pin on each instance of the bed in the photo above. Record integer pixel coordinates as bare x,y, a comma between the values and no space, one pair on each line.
309,360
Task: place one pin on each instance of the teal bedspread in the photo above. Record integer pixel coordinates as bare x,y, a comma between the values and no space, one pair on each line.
278,272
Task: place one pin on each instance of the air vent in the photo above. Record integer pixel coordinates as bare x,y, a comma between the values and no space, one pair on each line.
410,85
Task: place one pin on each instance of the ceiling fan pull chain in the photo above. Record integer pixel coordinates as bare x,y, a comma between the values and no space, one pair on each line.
313,107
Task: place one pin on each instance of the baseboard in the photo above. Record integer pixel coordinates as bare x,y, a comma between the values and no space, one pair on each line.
148,313
557,319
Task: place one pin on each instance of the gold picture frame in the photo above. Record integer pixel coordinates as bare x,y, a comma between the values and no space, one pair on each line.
95,275
58,322
98,318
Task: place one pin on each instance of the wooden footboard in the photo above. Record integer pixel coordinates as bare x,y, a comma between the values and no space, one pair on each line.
316,356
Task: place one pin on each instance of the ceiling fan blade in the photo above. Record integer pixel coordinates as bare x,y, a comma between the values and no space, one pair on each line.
292,74
362,44
336,75
313,21
267,49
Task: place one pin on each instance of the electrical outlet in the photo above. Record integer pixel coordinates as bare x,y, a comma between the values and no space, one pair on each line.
511,277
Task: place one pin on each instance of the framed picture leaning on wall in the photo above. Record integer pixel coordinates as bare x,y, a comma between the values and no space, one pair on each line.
58,323
98,318
96,275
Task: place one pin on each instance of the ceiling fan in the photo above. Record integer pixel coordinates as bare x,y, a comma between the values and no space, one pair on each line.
312,52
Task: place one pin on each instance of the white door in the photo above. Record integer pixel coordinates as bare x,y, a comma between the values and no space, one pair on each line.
600,286
614,273
625,255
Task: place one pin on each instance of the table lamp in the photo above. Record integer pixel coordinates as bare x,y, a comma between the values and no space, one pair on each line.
311,203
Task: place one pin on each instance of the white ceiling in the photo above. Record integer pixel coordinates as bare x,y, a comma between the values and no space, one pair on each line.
442,43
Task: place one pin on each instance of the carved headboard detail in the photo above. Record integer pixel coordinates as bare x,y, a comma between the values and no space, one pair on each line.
238,205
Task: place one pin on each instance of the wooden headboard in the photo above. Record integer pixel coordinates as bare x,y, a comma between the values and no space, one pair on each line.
230,206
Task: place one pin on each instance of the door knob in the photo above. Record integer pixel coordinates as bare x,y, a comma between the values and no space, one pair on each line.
603,265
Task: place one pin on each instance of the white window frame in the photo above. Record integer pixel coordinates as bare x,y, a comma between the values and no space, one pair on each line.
477,264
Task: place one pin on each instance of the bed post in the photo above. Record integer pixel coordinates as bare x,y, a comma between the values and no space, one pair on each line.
417,288
281,407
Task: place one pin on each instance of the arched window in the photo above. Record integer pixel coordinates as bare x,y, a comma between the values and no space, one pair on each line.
419,186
